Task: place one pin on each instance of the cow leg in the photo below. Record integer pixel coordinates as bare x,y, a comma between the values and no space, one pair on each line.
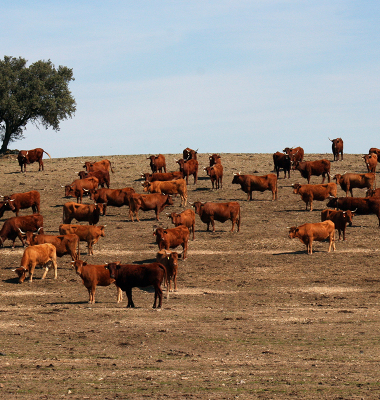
332,241
119,294
92,294
130,304
213,224
233,224
44,274
157,293
192,228
19,235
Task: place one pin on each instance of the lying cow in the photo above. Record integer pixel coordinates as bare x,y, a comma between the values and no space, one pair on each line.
148,202
253,183
21,201
169,259
171,238
340,219
186,217
30,156
350,181
177,186
86,233
82,212
318,192
14,227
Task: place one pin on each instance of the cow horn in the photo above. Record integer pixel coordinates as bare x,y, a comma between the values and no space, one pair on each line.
86,190
354,210
62,186
1,196
330,140
12,200
22,233
39,229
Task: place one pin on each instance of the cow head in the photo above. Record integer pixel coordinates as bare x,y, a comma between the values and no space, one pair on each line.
296,188
197,206
21,273
78,265
113,268
69,191
348,215
293,230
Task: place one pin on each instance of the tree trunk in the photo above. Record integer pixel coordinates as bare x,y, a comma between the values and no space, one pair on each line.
7,138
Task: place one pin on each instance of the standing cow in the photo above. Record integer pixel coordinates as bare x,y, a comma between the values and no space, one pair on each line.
30,156
337,148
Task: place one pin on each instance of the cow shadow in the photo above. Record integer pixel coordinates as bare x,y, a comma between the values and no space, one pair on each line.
146,261
12,280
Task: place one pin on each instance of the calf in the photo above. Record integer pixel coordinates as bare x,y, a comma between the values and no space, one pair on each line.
340,219
186,217
169,259
21,201
171,238
86,233
318,192
148,202
216,175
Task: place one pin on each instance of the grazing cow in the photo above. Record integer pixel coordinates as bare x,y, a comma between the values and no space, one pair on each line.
30,156
177,186
337,147
251,183
86,233
171,238
169,259
374,150
349,181
370,162
340,219
282,161
112,197
64,244
295,153
81,212
21,201
319,231
41,254
157,163
95,275
98,165
16,226
210,212
80,187
128,276
216,175
215,159
101,175
317,168
162,176
148,202
188,167
189,154
318,192
186,218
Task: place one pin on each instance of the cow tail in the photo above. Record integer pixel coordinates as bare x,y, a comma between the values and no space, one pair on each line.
47,153
111,168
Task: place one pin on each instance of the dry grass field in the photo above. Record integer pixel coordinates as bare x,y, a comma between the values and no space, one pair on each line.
254,317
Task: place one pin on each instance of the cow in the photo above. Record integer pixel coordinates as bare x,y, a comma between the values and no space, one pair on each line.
94,275
216,175
41,254
86,233
295,153
101,175
318,192
282,161
81,212
112,197
188,167
64,244
372,193
170,238
157,163
318,231
215,159
128,276
189,154
251,183
16,226
317,168
370,161
148,202
162,176
80,187
186,217
210,212
30,156
21,201
348,181
98,165
169,259
374,150
337,147
340,219
177,186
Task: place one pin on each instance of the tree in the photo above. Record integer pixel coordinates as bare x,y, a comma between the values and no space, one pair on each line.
38,94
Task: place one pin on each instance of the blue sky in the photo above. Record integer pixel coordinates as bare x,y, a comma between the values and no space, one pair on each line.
221,76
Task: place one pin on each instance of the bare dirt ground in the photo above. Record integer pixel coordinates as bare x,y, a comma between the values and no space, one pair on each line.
254,316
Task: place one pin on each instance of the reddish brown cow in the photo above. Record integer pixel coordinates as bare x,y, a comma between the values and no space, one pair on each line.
177,186
80,187
317,168
157,163
186,218
318,192
162,176
189,167
171,238
215,159
189,154
21,201
148,202
101,175
216,175
319,231
370,162
112,197
82,212
128,276
169,259
340,219
86,233
98,165
337,147
295,153
16,226
282,161
372,193
95,275
210,212
251,183
30,156
349,181
374,150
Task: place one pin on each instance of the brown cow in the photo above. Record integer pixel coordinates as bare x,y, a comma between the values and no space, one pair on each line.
317,192
374,150
317,168
95,275
295,153
188,167
171,238
162,176
101,175
372,193
112,197
349,181
370,162
177,186
337,147
80,187
157,163
98,165
21,201
210,212
81,212
250,183
186,217
128,276
148,202
41,254
16,226
340,219
216,175
189,154
215,159
86,233
319,231
169,259
30,156
282,161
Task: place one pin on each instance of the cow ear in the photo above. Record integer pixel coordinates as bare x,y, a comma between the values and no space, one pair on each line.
84,263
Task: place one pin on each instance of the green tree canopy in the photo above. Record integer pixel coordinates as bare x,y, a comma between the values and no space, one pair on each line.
38,94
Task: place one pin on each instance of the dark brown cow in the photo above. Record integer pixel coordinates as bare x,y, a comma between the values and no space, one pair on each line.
186,218
157,163
112,197
189,154
317,168
216,175
171,238
337,147
319,231
295,153
95,275
80,187
101,175
215,159
30,156
16,226
188,167
177,186
162,176
253,183
210,212
21,201
148,202
81,212
128,276
86,233
169,259
317,192
282,161
340,219
98,165
349,181
370,162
